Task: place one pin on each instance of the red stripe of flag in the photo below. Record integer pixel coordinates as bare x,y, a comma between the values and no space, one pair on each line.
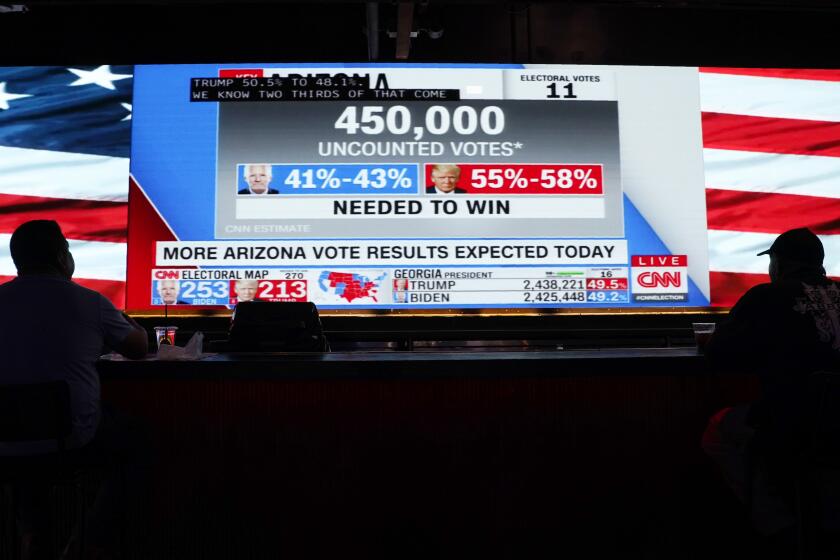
728,287
114,290
88,220
771,213
787,73
772,135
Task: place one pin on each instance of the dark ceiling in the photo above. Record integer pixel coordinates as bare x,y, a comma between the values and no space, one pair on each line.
666,32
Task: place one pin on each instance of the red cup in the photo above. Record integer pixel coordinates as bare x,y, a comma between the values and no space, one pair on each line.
165,335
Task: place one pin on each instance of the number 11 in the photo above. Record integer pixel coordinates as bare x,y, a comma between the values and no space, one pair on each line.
554,95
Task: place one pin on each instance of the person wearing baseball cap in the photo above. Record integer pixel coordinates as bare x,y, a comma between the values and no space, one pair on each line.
796,250
782,331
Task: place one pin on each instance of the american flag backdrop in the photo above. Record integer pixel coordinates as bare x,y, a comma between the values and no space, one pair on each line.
65,136
771,146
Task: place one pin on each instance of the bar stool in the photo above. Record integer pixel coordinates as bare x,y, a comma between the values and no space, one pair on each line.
35,412
822,453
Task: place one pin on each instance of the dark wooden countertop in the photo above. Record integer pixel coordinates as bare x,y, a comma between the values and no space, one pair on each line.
478,362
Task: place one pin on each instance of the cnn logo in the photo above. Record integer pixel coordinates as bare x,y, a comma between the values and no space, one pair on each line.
654,279
166,274
659,279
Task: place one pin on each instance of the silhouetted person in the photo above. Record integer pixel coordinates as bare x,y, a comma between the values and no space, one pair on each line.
53,329
782,331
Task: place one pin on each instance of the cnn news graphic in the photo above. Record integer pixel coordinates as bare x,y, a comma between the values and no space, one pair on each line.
418,186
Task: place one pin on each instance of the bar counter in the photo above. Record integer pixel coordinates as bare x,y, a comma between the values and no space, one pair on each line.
477,362
428,454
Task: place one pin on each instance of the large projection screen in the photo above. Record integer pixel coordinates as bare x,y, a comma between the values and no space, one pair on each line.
421,187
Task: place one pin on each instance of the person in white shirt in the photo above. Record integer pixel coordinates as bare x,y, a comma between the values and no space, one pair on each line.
53,329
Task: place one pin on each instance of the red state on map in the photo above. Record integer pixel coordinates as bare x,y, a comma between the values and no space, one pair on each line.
353,287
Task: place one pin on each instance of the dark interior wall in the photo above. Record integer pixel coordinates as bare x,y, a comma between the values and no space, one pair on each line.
688,36
618,33
241,32
163,33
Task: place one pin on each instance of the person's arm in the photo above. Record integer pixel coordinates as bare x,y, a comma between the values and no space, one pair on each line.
122,333
136,344
739,337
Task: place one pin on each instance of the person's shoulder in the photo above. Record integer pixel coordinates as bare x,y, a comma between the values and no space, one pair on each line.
773,297
80,294
273,191
460,190
760,290
430,190
88,294
244,191
38,282
8,289
758,295
796,286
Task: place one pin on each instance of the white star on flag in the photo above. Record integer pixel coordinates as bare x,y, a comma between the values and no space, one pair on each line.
127,107
6,97
101,76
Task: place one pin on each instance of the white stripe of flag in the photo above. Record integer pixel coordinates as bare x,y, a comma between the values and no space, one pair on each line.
63,175
772,173
94,259
760,96
736,251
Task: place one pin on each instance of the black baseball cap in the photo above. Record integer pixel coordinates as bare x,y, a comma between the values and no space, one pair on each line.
799,245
